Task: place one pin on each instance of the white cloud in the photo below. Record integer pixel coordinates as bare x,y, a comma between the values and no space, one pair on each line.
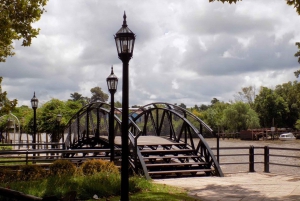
185,52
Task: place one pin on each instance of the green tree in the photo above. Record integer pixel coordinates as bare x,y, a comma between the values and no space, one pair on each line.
182,105
6,104
118,104
247,95
16,19
290,92
213,116
47,113
98,95
76,96
214,101
297,73
269,105
239,116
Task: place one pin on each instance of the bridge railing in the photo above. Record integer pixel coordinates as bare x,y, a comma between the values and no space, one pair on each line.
267,156
46,157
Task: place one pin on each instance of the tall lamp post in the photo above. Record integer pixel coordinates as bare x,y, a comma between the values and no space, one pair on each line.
58,119
112,83
34,105
125,39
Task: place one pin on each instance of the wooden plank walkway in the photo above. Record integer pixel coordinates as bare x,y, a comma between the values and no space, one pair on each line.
147,141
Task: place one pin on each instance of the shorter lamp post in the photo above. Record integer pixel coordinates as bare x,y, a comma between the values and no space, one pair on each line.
112,83
58,119
34,105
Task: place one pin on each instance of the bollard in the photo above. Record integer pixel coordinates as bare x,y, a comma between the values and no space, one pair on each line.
266,159
251,159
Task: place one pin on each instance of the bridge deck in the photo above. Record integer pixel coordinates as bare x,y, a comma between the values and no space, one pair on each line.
146,141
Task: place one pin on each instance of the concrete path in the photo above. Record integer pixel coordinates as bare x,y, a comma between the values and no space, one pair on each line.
240,187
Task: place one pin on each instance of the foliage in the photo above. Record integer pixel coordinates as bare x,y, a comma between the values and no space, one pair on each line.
7,105
110,185
16,18
97,165
247,95
98,95
6,175
297,54
62,167
213,116
118,104
239,116
47,114
76,96
297,124
3,148
104,185
31,172
290,92
270,107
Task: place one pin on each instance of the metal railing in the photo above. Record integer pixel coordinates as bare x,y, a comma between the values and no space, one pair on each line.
267,156
47,156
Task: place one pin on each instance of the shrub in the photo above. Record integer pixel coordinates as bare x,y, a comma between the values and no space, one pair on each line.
7,175
98,165
62,167
102,184
31,172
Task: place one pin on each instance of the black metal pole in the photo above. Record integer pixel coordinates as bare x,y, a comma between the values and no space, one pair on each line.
266,160
111,127
251,159
218,147
125,106
34,128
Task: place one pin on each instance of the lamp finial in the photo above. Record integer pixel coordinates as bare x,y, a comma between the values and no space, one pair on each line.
124,21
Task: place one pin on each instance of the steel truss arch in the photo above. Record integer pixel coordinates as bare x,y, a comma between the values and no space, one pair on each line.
89,128
182,128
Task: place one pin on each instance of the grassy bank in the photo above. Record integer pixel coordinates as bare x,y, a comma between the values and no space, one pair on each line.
94,178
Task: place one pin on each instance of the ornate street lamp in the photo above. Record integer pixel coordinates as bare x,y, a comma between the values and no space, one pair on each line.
112,83
34,105
125,39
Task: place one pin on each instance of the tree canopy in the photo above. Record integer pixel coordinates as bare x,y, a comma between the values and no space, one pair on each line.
16,18
98,95
295,3
6,104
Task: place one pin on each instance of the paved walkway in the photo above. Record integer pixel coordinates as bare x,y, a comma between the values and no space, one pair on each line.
240,187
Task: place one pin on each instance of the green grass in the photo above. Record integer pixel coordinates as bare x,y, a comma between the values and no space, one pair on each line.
106,186
103,181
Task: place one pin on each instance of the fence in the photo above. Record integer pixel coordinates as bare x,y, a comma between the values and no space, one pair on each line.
47,156
266,155
247,155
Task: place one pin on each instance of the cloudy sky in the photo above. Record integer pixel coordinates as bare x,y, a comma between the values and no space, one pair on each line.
185,52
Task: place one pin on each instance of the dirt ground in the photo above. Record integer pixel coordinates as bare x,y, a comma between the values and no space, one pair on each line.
259,159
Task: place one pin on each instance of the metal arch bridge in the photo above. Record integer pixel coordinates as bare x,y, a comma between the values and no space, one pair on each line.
164,139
